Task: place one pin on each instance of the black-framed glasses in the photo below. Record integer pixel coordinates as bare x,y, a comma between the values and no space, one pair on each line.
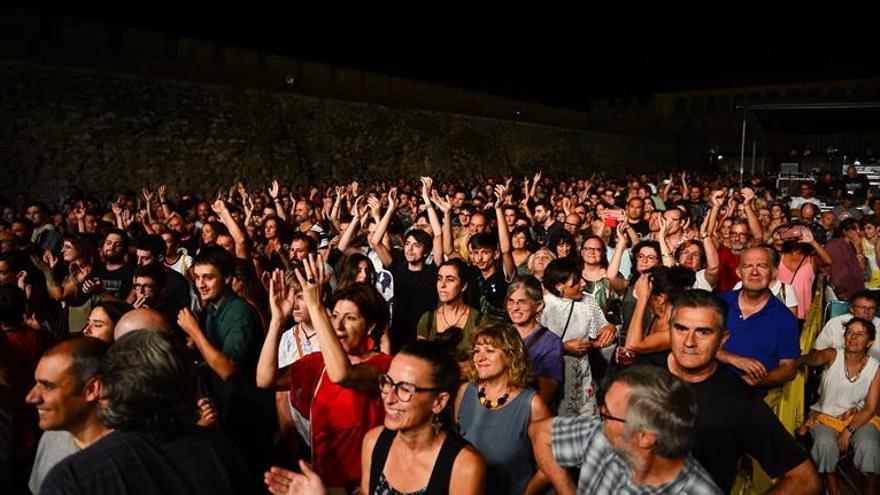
403,390
603,413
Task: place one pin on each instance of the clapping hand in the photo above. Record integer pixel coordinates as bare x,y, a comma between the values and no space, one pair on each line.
282,481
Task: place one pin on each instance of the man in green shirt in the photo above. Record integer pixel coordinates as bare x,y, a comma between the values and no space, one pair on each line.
229,339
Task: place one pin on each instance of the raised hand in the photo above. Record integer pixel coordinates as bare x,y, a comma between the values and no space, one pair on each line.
643,287
622,235
281,297
188,322
50,259
148,196
717,198
219,207
748,195
273,189
392,197
161,191
499,195
375,206
427,184
127,218
312,278
445,204
354,188
664,227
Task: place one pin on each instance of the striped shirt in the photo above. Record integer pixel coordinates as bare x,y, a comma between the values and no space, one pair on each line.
580,442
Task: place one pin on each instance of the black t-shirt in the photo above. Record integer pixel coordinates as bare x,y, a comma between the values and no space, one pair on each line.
696,210
858,185
414,294
176,288
733,420
642,228
488,294
117,282
129,463
547,236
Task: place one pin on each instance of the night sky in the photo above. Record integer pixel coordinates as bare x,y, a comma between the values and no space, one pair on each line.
561,58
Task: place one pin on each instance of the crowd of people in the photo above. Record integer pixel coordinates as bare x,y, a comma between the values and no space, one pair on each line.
596,334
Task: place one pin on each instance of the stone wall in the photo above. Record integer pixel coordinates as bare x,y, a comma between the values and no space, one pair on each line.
99,130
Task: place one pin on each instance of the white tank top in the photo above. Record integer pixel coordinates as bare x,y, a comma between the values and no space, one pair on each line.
837,394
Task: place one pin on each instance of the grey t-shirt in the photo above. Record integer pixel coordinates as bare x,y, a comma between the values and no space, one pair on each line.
54,447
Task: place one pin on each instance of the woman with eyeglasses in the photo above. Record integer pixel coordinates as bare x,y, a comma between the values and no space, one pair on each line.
417,450
497,405
845,417
334,391
645,255
525,301
579,322
701,257
595,270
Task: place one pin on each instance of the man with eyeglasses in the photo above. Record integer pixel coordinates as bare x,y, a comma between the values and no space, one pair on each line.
640,442
863,305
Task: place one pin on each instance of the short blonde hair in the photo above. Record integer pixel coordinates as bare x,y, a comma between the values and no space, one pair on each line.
504,336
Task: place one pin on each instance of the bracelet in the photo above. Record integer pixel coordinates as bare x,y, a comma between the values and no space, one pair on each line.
705,236
668,255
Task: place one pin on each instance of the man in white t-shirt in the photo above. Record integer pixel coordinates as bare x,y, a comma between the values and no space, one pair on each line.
862,305
806,190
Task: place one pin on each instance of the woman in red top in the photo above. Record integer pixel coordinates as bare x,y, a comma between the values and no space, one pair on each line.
336,390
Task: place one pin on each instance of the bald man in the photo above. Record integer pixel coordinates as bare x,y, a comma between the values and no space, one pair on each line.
152,320
141,319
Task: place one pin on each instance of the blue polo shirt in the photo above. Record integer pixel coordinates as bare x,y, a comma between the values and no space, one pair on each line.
769,335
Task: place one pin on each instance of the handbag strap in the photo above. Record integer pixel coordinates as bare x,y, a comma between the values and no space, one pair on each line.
567,321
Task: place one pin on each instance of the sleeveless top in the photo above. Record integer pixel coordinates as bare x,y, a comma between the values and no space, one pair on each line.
441,475
801,280
501,437
837,394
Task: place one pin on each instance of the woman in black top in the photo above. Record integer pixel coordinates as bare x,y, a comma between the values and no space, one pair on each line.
414,452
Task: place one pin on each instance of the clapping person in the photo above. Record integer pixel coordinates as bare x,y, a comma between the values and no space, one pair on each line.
335,390
416,450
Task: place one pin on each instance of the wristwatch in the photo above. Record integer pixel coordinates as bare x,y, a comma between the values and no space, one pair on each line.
851,429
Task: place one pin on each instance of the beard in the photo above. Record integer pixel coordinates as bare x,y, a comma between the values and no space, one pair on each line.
114,257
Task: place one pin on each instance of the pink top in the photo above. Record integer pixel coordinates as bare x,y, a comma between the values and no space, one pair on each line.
801,282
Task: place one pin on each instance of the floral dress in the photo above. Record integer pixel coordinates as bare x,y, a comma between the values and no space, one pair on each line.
575,320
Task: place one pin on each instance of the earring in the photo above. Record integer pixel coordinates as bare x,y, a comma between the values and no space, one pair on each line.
437,424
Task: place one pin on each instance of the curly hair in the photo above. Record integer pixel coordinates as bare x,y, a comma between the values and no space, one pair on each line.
504,337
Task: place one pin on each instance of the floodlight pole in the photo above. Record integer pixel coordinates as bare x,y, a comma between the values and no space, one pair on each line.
742,151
